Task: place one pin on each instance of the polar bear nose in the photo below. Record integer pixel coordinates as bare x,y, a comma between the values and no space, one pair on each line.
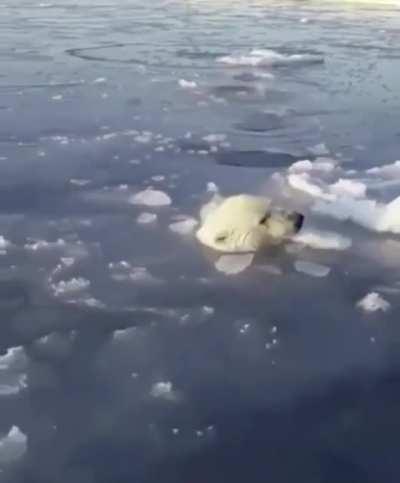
298,221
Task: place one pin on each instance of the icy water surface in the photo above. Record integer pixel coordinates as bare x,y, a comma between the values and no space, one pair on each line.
128,352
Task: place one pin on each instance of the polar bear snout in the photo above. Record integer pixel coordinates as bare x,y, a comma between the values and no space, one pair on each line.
298,220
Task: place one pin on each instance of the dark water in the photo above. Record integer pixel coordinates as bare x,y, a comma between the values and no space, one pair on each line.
135,359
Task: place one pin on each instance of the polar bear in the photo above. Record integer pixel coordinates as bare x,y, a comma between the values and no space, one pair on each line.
245,223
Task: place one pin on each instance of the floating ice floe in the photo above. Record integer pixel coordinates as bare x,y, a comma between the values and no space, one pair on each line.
65,288
142,275
14,358
100,80
91,302
346,199
373,302
268,57
322,240
79,182
387,170
347,187
185,84
214,138
158,178
212,187
12,384
319,149
164,390
234,263
43,244
145,218
303,182
13,445
120,334
312,269
320,164
151,197
144,137
123,271
4,244
368,213
184,227
12,366
318,189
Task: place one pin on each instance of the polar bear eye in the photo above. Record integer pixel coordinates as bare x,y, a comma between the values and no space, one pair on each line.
221,237
265,218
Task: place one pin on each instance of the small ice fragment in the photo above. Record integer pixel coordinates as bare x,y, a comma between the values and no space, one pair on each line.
146,218
142,275
158,178
163,390
320,150
301,166
348,187
92,302
320,164
4,243
303,182
212,187
366,212
268,57
144,138
324,164
208,310
244,328
13,387
387,170
184,227
313,269
13,445
14,358
214,138
234,264
187,84
67,261
42,244
322,240
175,431
150,197
373,302
100,80
57,97
72,286
79,182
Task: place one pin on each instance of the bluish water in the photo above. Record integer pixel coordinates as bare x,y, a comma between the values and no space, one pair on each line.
135,359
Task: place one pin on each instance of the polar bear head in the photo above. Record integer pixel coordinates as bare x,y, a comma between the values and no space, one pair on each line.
246,223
